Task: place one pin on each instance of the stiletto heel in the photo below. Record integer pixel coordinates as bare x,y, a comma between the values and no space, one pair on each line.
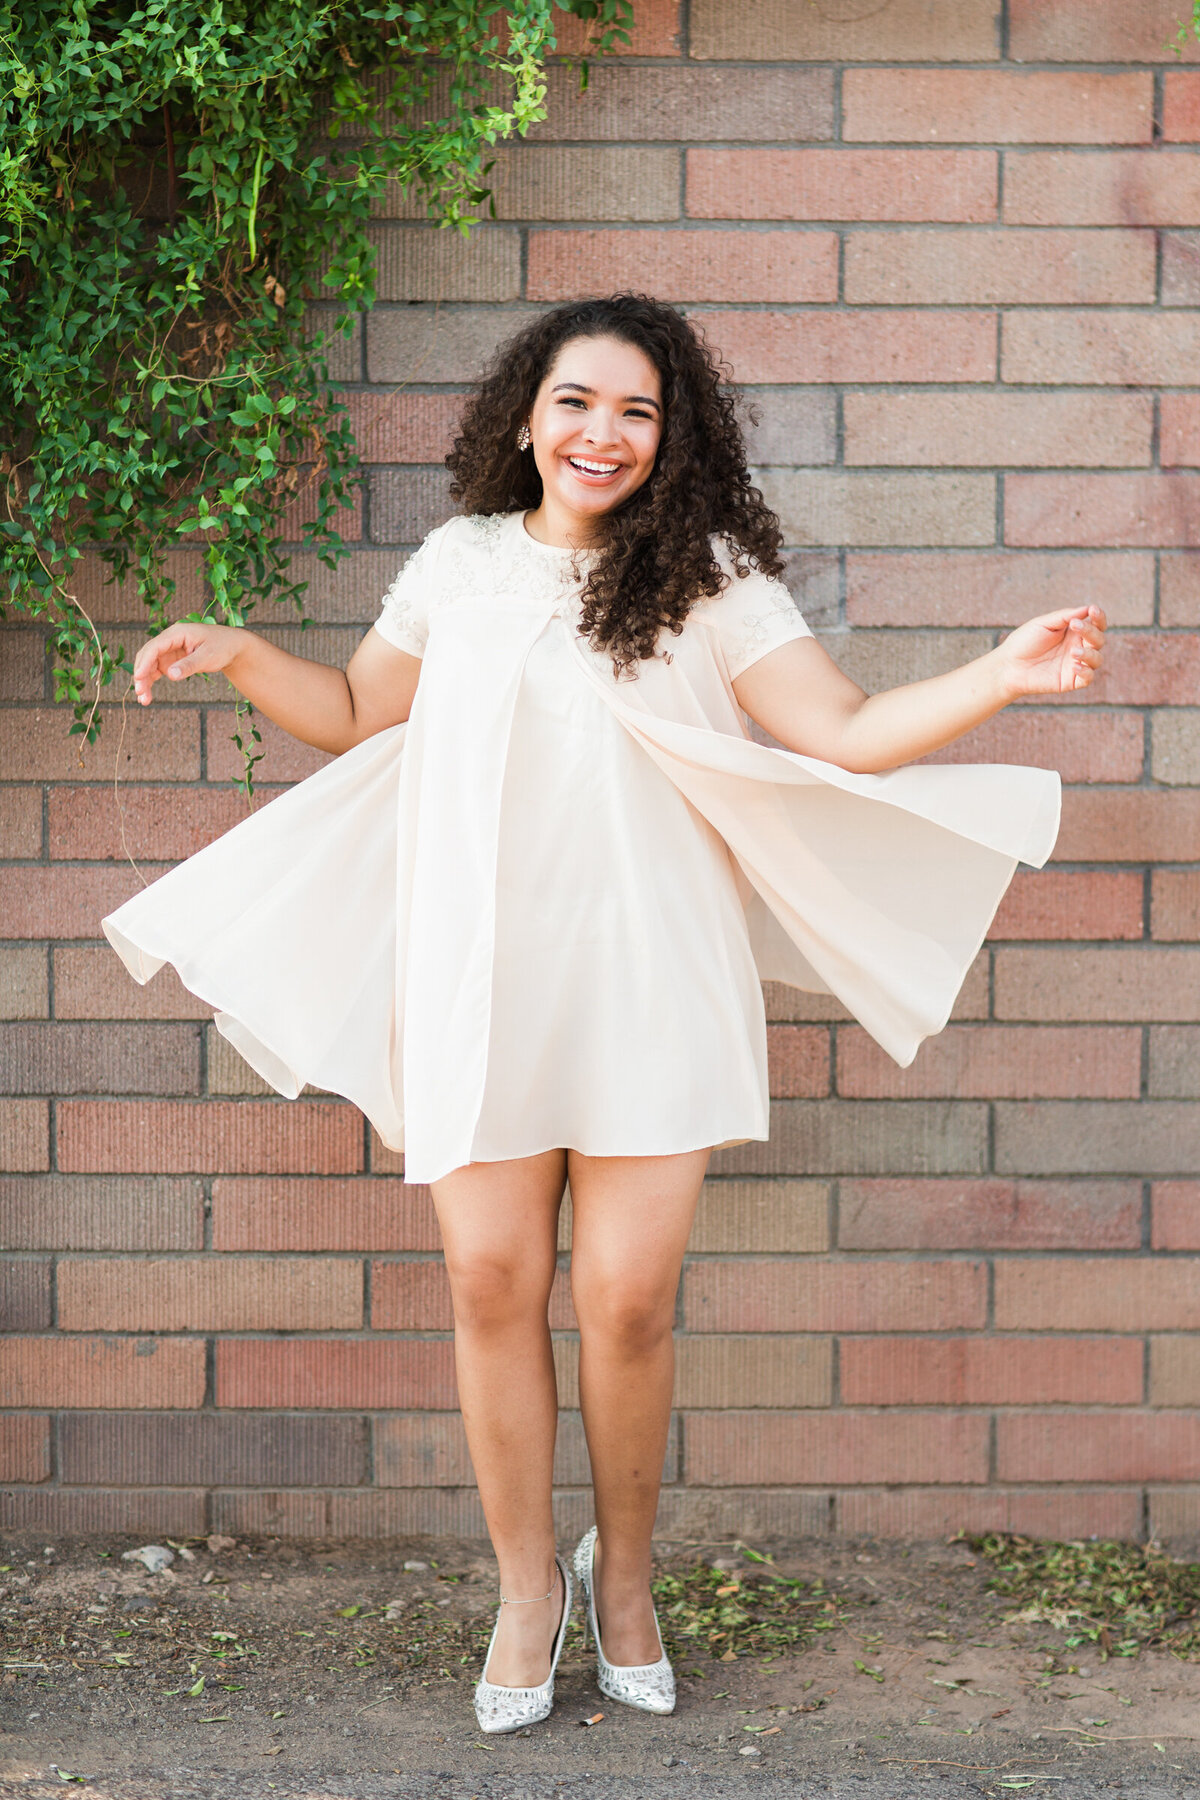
649,1686
510,1708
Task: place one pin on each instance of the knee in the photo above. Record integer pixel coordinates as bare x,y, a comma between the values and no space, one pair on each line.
491,1292
629,1317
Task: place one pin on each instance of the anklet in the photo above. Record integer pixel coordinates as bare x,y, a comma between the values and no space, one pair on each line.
506,1601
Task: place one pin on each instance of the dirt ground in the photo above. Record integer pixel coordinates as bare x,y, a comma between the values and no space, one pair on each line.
321,1670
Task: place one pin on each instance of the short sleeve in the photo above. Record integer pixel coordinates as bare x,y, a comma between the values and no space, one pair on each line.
404,619
753,614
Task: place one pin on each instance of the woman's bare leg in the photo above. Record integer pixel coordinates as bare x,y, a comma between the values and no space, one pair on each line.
499,1225
631,1219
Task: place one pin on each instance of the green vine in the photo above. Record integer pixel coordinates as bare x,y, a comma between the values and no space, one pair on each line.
179,179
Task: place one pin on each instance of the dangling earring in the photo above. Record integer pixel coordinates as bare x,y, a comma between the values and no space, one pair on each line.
524,438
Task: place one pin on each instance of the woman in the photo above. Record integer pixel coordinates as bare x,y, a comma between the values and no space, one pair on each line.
530,947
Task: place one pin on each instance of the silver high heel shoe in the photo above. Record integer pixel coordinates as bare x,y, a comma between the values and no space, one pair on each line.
511,1708
650,1686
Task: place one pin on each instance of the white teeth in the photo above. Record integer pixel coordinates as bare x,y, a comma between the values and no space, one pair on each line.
592,468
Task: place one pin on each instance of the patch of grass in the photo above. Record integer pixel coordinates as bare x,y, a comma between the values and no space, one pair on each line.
727,1615
1119,1597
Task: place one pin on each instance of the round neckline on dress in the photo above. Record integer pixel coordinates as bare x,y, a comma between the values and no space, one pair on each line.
551,549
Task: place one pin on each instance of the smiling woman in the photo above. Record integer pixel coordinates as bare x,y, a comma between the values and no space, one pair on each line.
522,920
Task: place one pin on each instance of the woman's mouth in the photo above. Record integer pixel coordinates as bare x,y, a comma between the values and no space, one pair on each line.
594,469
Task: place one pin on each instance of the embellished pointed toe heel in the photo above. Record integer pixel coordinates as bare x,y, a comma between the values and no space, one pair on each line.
649,1686
512,1708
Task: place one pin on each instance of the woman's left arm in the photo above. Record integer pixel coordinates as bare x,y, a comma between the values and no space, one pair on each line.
798,693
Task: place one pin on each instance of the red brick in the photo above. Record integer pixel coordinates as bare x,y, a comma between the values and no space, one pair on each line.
1134,511
727,1448
1131,982
259,1512
92,1512
1112,1293
1180,589
1175,1517
990,1215
102,1372
997,430
20,821
407,504
1150,669
685,265
1123,348
586,182
109,601
1175,905
25,1447
1071,903
162,823
93,983
990,1371
1096,31
22,664
399,427
1179,431
1181,107
1115,187
227,1137
25,1294
42,902
985,1061
843,184
995,587
68,1212
411,1296
927,1513
974,106
905,31
924,345
1152,1446
1180,279
655,32
356,1214
301,510
798,1059
209,1294
44,1058
1082,746
312,1372
1129,825
754,1295
24,1135
623,103
1175,1215
1005,266
284,758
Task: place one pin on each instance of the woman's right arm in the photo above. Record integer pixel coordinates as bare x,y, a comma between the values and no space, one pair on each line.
333,709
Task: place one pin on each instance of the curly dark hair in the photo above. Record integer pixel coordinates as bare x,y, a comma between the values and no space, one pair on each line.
654,555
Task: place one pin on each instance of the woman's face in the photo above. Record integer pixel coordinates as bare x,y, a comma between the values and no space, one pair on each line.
596,425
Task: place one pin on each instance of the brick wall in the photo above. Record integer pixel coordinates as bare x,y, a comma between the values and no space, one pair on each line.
953,251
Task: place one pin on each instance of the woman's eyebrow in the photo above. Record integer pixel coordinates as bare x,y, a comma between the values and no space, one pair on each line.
577,387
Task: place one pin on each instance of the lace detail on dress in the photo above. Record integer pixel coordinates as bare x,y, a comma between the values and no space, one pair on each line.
756,620
520,568
399,616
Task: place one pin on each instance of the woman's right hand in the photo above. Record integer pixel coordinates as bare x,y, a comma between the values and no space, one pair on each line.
182,650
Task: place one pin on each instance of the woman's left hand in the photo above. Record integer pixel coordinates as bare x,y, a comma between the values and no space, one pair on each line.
1057,653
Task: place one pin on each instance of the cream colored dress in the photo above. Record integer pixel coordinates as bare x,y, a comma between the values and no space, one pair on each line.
539,914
